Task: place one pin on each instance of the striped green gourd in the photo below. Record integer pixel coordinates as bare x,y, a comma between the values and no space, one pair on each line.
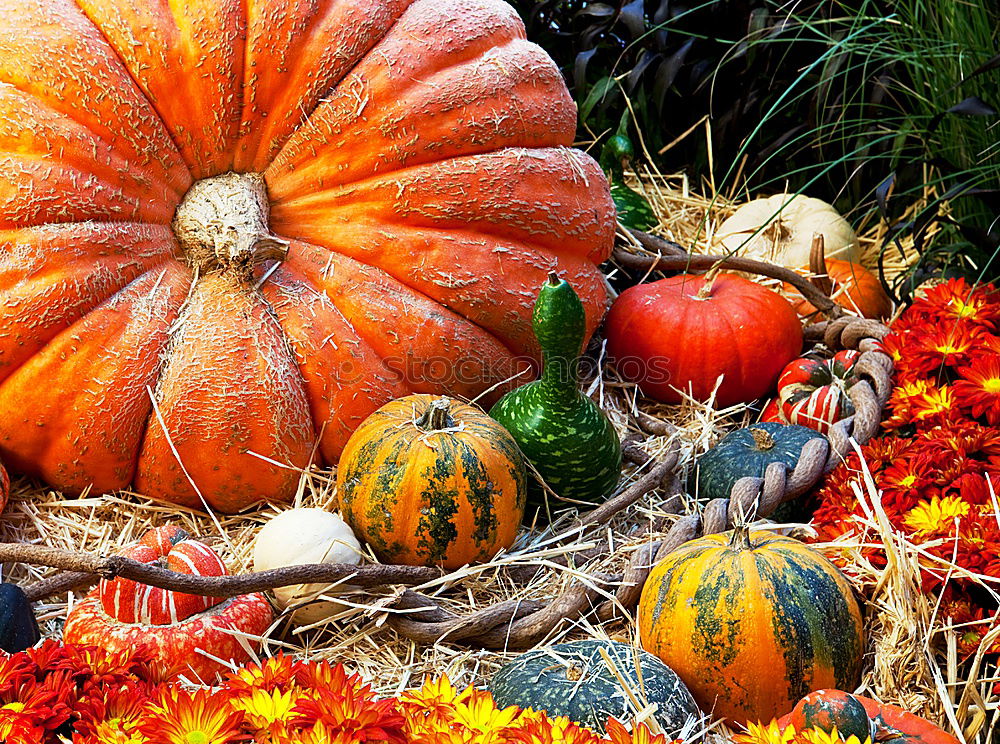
560,431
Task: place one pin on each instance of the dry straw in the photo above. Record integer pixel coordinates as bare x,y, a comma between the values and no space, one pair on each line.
908,661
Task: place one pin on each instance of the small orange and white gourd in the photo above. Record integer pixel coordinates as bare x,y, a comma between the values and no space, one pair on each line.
182,631
816,392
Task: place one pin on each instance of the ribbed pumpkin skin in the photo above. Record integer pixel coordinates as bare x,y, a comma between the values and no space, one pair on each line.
815,392
750,631
419,497
421,214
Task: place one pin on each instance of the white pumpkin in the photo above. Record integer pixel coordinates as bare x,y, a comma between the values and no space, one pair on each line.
307,535
789,223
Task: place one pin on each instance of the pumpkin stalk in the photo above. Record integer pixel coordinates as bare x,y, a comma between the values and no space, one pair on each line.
437,416
762,439
222,224
739,539
817,266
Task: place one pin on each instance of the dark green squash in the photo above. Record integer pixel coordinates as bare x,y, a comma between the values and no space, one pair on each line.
573,680
18,627
561,432
747,453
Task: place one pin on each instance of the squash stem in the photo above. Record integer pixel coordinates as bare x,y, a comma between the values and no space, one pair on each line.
740,537
762,439
437,416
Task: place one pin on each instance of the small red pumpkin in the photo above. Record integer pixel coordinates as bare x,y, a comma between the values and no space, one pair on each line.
825,709
182,631
814,392
684,332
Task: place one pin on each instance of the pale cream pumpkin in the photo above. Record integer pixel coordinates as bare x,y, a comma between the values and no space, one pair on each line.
307,535
786,225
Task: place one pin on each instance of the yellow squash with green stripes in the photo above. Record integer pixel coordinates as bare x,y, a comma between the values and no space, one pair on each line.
751,623
432,481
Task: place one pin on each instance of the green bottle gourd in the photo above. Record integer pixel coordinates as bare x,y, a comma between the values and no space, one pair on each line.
561,432
634,211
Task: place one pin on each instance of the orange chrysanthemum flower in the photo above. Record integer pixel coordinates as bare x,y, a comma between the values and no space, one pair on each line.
351,711
275,672
618,734
199,716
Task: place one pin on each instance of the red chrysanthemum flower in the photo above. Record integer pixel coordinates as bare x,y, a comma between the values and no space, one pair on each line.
112,712
932,352
978,387
15,670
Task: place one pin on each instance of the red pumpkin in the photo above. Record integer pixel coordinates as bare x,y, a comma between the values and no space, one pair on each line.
231,231
814,392
684,332
854,288
825,709
182,631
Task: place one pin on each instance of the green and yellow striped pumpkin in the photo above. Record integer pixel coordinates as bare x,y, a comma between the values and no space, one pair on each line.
751,623
432,481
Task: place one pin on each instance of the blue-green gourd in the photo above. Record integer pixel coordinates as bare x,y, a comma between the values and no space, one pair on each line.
561,432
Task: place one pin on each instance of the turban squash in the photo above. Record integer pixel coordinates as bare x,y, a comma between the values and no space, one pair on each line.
184,633
230,231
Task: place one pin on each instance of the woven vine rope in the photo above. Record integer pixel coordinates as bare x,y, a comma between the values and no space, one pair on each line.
518,624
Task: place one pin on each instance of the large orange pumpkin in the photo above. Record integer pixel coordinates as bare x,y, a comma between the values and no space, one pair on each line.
229,231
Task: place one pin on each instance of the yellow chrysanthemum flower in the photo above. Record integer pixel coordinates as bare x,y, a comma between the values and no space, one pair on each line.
936,515
264,709
480,713
771,733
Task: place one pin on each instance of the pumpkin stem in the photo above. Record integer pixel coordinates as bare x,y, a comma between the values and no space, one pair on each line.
705,291
437,416
817,266
222,224
762,439
554,279
739,539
